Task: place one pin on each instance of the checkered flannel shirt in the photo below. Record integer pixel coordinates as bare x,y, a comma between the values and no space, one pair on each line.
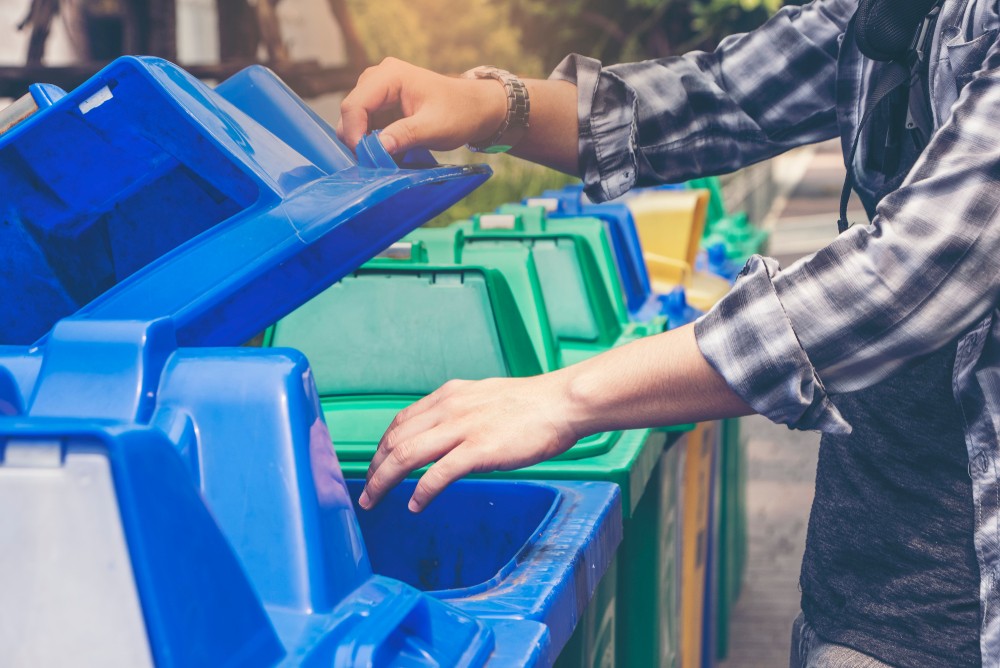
923,272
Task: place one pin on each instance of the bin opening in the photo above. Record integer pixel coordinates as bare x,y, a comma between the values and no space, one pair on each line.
468,539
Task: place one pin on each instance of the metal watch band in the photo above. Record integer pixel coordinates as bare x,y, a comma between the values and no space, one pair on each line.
515,122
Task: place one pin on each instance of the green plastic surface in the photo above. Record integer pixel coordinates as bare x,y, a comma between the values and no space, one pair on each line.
668,554
596,234
516,263
398,328
576,297
731,531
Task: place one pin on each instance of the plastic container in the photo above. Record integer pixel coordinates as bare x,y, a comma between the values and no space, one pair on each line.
569,204
576,267
172,189
697,529
731,532
739,237
716,585
670,225
364,381
206,477
259,559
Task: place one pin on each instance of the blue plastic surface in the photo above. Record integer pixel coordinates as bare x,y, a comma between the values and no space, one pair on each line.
280,571
716,260
674,305
174,203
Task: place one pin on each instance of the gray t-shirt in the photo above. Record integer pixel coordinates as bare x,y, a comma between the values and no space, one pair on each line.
890,565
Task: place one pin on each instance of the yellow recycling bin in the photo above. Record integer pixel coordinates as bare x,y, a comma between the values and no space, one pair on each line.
670,225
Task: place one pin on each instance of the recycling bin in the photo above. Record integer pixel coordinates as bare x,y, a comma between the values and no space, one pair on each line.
580,287
569,204
731,530
206,476
365,380
218,503
176,184
719,499
738,236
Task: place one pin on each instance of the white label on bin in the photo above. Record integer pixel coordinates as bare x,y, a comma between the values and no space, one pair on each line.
497,221
401,250
18,111
550,204
95,100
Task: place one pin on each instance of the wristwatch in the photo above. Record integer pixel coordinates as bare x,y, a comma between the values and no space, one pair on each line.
515,123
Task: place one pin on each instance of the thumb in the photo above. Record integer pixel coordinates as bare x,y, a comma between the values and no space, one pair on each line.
402,135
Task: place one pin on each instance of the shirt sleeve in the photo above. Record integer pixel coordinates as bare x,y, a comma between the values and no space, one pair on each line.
880,296
757,95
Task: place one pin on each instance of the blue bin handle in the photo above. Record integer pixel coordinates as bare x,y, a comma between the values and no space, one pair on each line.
386,622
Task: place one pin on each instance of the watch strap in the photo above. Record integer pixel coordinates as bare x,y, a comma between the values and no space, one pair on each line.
515,122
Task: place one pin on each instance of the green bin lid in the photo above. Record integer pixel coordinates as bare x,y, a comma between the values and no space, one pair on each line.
576,297
402,326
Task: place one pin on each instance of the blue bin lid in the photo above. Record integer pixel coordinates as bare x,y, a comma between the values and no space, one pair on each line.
144,194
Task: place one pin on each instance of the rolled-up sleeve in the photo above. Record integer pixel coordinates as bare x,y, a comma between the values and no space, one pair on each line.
750,340
671,119
925,271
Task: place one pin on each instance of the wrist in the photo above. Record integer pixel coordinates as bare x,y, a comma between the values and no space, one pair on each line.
515,121
584,400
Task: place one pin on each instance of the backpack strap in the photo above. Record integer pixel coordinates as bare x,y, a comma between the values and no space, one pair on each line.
893,76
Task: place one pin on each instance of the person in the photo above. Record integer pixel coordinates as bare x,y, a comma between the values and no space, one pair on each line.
887,340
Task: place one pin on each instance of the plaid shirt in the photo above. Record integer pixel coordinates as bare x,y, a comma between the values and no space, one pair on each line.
923,273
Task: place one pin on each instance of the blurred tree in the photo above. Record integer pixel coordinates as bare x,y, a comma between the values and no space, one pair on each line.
443,35
628,30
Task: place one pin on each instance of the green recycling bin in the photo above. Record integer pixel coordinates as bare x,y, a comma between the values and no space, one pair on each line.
739,236
581,288
731,531
449,308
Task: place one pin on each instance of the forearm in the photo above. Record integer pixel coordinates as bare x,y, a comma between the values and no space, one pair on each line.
657,381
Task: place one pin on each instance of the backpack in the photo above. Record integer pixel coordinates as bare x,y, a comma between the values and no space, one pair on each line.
896,33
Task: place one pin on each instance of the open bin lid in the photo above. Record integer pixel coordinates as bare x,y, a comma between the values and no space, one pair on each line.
144,194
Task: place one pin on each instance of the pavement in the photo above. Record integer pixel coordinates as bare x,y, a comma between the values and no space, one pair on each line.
782,462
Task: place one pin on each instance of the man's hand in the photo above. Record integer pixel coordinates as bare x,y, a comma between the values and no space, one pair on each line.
508,423
438,112
467,427
443,113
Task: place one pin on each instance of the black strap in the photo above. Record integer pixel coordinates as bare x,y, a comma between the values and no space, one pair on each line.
891,77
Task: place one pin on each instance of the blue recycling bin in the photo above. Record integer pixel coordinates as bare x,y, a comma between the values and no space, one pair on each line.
184,506
216,201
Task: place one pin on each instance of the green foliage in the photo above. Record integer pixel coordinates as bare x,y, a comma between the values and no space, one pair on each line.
443,35
627,30
512,181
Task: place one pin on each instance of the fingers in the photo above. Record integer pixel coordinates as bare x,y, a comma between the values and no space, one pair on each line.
445,471
407,456
410,421
400,431
378,87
